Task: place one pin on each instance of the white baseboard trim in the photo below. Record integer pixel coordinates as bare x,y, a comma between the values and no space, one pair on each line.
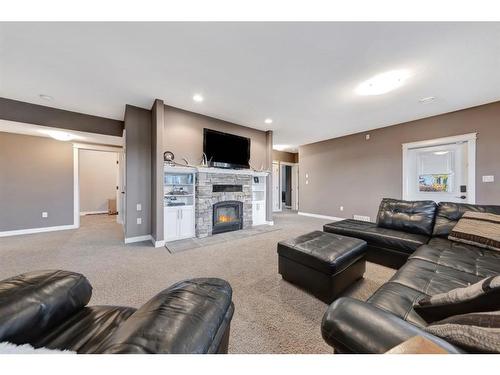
334,218
92,213
270,222
146,237
20,232
157,243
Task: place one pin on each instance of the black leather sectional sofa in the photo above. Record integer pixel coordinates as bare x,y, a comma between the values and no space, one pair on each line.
49,309
413,235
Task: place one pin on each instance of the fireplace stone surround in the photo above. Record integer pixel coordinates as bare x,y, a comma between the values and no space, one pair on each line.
206,197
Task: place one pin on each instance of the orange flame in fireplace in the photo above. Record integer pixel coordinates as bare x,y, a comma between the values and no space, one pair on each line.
225,219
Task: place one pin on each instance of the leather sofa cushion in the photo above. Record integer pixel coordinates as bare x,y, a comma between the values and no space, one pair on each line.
408,216
188,317
418,278
448,214
85,331
325,252
33,303
462,257
377,236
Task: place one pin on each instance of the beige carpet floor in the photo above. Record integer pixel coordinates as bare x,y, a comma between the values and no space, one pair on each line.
271,316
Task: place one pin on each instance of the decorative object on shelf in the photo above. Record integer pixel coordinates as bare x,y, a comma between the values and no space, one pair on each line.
204,161
168,156
186,161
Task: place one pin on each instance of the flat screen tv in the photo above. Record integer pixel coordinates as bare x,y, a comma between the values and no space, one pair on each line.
226,150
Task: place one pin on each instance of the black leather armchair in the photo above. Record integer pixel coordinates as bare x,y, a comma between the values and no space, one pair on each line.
49,309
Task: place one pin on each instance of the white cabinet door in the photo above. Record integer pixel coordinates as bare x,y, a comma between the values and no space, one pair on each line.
186,222
258,213
171,224
254,214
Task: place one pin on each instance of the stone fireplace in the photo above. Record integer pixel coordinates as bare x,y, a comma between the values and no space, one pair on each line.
223,201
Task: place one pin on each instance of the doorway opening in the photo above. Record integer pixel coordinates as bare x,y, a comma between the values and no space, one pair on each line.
442,170
98,184
285,186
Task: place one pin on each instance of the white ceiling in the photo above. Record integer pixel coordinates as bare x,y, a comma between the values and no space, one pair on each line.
302,75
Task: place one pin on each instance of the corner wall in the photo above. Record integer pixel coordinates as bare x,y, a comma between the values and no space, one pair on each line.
357,173
138,171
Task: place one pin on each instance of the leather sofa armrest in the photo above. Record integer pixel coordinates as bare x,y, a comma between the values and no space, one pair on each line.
33,303
192,316
353,326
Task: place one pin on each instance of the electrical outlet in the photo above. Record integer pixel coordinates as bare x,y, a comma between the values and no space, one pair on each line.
139,220
307,182
488,178
361,217
45,215
139,207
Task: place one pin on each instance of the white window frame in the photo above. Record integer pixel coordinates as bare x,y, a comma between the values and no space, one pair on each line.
470,138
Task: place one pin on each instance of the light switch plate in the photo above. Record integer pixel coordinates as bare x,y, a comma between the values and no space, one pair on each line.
139,207
488,178
139,220
45,215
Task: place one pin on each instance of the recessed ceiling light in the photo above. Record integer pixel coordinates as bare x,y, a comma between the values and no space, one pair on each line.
45,97
60,136
428,99
198,98
441,152
268,120
383,83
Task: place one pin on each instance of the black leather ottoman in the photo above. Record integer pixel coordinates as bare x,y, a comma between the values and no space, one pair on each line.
324,264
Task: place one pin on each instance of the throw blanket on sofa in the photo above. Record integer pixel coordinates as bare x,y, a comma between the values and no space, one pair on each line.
479,229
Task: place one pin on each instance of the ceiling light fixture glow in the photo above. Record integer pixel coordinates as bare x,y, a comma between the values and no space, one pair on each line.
383,83
428,99
268,120
46,97
198,98
60,136
441,152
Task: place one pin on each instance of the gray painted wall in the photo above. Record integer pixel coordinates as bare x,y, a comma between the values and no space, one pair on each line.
355,173
157,129
14,110
98,178
288,157
184,136
36,175
138,170
269,180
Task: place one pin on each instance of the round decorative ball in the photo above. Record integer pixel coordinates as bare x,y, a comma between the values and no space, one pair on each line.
168,156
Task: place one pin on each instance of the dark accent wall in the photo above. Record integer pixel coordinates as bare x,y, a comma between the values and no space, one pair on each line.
138,170
36,175
13,110
357,173
288,157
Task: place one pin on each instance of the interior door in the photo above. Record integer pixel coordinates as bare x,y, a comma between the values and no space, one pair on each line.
276,187
120,188
437,173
